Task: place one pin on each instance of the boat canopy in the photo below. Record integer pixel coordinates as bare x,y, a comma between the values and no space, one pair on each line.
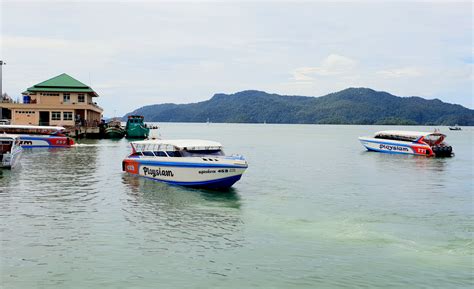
409,135
32,127
430,138
6,136
178,144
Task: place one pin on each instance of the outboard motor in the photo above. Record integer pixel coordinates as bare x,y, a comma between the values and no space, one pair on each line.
443,151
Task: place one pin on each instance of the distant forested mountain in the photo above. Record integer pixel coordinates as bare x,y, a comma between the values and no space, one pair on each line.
349,106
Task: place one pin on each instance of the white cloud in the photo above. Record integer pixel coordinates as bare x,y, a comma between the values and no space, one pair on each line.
400,72
15,42
334,64
185,52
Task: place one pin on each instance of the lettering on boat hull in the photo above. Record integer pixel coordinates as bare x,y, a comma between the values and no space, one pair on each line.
394,148
157,172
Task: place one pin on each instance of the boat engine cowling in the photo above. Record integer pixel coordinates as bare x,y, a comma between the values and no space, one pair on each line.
442,151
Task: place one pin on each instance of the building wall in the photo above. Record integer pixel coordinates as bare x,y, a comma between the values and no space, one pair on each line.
62,121
32,117
25,117
43,98
55,98
93,117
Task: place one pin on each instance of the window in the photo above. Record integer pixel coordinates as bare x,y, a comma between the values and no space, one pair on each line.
66,98
56,115
173,154
67,115
197,153
160,154
80,98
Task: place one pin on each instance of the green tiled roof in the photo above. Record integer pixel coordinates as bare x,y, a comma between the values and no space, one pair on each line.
60,83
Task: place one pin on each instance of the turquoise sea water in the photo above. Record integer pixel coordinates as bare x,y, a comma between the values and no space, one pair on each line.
314,210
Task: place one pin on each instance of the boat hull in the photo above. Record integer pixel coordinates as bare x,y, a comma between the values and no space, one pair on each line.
114,133
396,147
10,161
39,141
137,132
196,175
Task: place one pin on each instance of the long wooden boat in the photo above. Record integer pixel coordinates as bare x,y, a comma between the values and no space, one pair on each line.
114,130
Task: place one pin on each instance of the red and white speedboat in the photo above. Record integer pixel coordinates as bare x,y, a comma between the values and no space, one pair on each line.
408,142
39,136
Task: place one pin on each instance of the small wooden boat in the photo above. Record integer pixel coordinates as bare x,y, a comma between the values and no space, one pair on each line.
10,150
114,129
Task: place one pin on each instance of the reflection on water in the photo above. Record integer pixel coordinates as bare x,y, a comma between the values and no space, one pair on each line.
384,160
183,215
162,191
58,175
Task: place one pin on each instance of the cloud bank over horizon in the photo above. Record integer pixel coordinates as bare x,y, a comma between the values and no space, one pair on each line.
141,53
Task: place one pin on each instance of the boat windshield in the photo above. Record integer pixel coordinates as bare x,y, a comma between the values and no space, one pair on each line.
396,137
166,150
199,153
173,154
434,139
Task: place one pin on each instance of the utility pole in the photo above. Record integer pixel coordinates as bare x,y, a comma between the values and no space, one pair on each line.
2,63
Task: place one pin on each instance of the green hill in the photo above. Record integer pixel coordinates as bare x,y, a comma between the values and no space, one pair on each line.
349,106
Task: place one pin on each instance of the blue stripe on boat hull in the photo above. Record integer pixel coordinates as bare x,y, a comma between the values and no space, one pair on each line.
219,184
388,152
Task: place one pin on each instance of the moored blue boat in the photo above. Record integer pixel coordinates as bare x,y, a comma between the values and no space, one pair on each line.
32,136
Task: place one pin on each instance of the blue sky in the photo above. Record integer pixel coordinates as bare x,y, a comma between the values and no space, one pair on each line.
140,53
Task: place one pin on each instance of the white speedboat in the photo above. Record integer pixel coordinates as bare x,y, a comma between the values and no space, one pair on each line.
408,142
10,150
193,163
33,136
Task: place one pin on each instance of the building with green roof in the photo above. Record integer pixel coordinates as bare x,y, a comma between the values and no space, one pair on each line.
61,100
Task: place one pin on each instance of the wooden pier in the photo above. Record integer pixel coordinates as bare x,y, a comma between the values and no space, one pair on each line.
85,132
